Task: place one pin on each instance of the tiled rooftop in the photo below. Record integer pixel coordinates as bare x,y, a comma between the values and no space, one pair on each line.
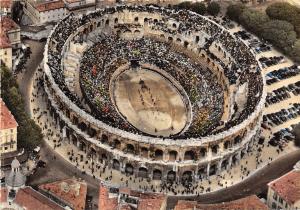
7,24
5,3
248,203
146,201
33,200
51,5
6,118
288,187
4,41
71,191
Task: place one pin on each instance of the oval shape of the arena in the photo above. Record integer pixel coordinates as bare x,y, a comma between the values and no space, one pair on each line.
217,71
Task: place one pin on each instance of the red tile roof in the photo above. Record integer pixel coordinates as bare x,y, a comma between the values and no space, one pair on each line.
105,202
288,186
3,195
71,191
51,5
7,24
146,201
248,203
5,4
6,118
4,41
33,200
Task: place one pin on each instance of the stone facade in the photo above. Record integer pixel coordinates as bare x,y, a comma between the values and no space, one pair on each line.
143,156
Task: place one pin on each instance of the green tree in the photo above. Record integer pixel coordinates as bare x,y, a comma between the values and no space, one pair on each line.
296,131
296,51
253,20
199,8
213,8
29,134
287,12
234,11
184,5
279,33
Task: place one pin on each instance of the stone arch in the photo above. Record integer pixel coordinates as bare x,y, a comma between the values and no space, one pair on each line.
178,40
157,175
162,36
116,164
129,169
213,170
92,152
144,152
137,31
170,38
107,22
117,144
197,39
235,159
174,25
202,172
208,60
243,153
98,24
116,20
130,148
226,144
189,155
143,172
224,164
171,176
103,158
104,139
237,140
145,20
155,20
92,132
203,152
158,154
187,178
136,19
173,155
83,126
186,44
74,140
82,146
215,149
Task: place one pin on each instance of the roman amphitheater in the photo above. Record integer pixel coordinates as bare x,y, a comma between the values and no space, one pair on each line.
154,93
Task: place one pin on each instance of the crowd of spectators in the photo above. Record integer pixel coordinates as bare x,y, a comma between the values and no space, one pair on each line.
102,59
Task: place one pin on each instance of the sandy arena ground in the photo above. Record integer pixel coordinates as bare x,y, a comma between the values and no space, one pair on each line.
150,102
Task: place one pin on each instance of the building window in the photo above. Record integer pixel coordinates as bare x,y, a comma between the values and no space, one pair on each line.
273,205
280,200
5,148
5,52
275,196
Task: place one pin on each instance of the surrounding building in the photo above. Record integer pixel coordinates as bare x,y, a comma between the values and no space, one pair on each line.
5,51
284,192
111,198
248,203
71,192
8,130
10,40
66,194
80,5
41,12
5,7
